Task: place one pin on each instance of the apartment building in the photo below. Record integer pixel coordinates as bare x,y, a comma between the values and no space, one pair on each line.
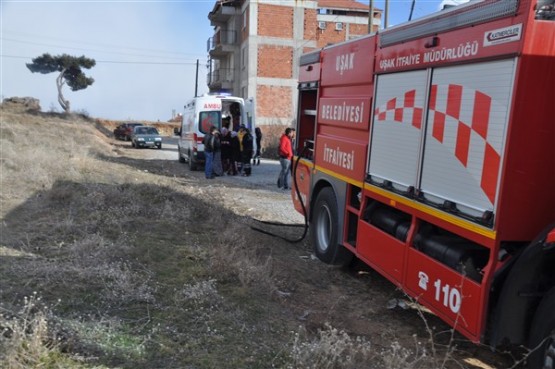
257,44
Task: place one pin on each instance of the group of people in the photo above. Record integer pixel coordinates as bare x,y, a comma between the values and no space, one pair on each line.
229,152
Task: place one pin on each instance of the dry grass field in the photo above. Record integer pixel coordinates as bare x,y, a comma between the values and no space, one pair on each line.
109,260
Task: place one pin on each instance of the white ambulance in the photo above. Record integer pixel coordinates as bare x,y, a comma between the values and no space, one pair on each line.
203,112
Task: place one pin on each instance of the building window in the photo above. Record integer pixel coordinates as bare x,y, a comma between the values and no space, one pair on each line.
244,57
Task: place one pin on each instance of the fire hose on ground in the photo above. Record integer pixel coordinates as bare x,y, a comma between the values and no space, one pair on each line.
305,215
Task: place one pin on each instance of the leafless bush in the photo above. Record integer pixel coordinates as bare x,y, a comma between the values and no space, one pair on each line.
200,298
200,292
24,337
104,264
426,352
335,349
105,334
90,264
396,356
331,349
235,256
116,211
29,338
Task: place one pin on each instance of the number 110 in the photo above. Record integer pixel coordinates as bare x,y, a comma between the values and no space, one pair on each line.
451,296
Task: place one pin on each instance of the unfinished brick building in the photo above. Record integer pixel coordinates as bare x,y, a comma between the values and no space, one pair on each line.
257,44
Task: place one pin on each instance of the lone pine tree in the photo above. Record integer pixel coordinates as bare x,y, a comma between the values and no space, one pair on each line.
70,72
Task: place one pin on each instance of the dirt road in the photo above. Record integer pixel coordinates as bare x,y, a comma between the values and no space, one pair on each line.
264,200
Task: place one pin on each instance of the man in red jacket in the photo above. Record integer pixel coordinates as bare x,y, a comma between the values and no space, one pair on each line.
285,156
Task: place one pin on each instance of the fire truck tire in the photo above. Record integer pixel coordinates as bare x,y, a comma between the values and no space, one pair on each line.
324,231
542,334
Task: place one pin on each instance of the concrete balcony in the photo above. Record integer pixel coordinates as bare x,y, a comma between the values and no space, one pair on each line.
223,11
222,44
220,79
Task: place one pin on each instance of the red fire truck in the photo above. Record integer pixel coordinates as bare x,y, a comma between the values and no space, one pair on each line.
427,151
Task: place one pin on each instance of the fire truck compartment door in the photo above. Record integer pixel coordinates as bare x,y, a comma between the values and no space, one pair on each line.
396,131
465,134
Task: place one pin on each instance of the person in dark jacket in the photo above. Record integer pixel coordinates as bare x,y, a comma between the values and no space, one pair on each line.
258,134
210,143
217,168
226,153
246,150
235,153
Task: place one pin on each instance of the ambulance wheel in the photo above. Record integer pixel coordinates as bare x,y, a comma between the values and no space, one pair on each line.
192,163
324,232
542,334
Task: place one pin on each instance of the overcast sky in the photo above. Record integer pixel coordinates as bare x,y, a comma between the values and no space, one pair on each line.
146,51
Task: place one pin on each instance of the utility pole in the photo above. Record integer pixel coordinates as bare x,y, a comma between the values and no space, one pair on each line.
371,17
196,81
411,9
386,11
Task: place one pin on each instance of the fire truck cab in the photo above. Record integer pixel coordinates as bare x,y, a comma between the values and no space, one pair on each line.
427,151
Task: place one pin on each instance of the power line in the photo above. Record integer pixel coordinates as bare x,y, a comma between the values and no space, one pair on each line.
112,61
81,42
83,49
146,63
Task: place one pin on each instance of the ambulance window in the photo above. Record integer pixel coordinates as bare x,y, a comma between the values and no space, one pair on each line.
208,119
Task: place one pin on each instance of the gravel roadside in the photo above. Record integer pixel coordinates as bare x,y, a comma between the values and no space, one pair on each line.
256,196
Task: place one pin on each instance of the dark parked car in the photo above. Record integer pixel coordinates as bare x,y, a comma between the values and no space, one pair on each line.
124,131
144,136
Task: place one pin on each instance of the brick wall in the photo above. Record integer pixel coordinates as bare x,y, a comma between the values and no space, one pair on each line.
330,35
310,23
274,101
275,61
358,29
275,21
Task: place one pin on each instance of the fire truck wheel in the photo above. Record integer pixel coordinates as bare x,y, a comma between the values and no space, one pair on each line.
324,230
542,334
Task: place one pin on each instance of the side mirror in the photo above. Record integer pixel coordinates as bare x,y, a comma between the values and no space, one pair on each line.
177,131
